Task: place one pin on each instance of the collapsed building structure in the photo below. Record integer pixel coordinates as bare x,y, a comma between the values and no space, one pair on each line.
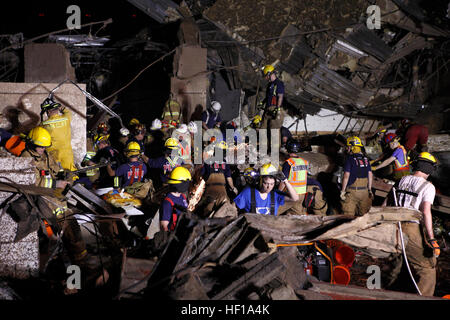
341,78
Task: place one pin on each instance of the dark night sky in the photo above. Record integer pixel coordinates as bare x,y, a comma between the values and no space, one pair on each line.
39,17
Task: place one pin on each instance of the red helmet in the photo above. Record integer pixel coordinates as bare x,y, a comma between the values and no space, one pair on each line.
389,137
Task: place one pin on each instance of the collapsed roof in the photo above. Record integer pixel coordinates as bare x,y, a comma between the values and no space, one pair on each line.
324,50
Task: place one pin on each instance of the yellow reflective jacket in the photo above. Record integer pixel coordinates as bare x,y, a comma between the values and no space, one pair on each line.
61,149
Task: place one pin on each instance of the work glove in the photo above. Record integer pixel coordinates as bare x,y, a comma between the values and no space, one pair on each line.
374,168
343,197
371,196
280,176
372,162
436,249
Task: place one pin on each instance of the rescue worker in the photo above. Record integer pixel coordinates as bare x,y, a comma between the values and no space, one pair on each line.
12,143
296,170
285,135
272,118
422,249
414,137
211,117
217,174
176,201
356,192
166,163
171,116
47,176
314,202
91,149
58,125
129,173
251,177
266,199
399,158
138,132
105,153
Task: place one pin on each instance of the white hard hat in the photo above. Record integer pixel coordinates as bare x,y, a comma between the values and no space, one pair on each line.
192,127
183,128
216,106
156,124
124,132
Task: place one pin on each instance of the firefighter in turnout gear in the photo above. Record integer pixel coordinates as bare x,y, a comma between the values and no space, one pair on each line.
296,170
171,116
217,174
165,164
58,125
399,158
422,249
134,171
176,201
356,192
47,169
273,114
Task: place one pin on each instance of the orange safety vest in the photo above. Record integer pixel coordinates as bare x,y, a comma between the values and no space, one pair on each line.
397,165
298,174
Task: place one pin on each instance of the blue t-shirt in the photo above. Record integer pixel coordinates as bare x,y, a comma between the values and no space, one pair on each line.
274,92
358,166
399,155
163,166
125,171
212,119
244,201
166,210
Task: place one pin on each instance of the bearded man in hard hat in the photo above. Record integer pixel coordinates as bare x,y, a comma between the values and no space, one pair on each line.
356,192
422,249
58,125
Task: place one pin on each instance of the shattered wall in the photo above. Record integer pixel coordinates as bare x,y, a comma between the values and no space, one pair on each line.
20,259
20,109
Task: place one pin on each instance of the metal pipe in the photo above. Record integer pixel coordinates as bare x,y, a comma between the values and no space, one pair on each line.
345,130
343,117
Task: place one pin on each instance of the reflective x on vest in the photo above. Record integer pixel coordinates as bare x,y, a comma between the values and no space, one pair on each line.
298,174
397,165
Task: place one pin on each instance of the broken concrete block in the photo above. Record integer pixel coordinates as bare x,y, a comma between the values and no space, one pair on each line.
17,259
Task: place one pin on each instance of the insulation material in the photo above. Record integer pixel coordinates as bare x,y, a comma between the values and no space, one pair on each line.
20,109
17,259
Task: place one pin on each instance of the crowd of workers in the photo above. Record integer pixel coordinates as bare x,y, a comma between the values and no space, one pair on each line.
141,160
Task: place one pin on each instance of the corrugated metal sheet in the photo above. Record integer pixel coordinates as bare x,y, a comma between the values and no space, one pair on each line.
366,40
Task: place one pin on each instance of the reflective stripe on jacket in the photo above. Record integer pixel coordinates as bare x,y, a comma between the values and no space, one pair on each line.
298,174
